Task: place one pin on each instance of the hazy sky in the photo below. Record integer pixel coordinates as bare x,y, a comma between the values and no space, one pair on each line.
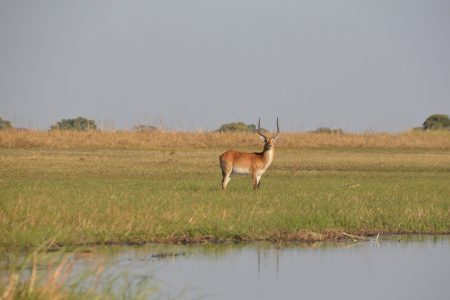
381,65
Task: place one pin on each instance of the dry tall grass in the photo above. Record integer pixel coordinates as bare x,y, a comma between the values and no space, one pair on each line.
161,139
38,276
42,275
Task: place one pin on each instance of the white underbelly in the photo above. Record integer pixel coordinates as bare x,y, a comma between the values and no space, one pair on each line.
237,170
246,171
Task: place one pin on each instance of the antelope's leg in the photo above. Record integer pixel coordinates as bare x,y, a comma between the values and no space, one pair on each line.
254,180
226,178
258,180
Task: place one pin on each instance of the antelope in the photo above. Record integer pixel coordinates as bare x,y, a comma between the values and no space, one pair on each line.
232,161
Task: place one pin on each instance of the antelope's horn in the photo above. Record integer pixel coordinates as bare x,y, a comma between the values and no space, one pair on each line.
259,129
278,130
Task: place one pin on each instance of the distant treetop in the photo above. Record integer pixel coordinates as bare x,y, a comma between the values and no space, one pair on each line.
5,124
142,127
238,127
78,124
437,122
328,130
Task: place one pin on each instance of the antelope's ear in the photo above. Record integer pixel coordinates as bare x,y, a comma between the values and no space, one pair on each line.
262,138
275,138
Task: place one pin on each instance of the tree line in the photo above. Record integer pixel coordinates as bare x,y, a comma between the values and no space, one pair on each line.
433,122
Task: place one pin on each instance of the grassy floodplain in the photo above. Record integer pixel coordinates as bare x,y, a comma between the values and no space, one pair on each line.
75,188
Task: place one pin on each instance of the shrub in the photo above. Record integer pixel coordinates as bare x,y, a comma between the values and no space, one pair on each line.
328,130
4,124
239,127
144,128
79,124
437,122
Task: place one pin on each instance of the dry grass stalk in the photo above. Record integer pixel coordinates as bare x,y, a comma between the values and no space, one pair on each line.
51,284
162,139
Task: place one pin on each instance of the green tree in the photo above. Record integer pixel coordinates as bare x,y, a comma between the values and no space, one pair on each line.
5,124
437,122
238,127
79,124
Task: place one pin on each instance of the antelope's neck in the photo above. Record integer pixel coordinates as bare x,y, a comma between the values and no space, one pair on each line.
267,157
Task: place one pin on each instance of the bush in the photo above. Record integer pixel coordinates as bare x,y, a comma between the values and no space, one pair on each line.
328,130
79,124
4,124
437,122
144,128
239,127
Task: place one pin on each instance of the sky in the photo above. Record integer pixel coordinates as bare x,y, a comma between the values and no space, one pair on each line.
359,65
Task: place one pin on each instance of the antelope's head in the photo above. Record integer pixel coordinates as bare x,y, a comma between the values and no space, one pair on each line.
268,141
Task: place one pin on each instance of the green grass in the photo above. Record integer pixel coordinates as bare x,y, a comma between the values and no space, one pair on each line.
82,196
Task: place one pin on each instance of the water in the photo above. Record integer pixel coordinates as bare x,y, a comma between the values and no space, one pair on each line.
391,268
417,268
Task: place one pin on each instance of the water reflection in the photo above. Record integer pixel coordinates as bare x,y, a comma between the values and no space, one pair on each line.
417,268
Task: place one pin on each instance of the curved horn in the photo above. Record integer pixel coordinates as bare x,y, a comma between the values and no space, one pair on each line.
278,130
259,129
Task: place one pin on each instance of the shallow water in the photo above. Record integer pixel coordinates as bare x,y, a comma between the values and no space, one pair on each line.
393,268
